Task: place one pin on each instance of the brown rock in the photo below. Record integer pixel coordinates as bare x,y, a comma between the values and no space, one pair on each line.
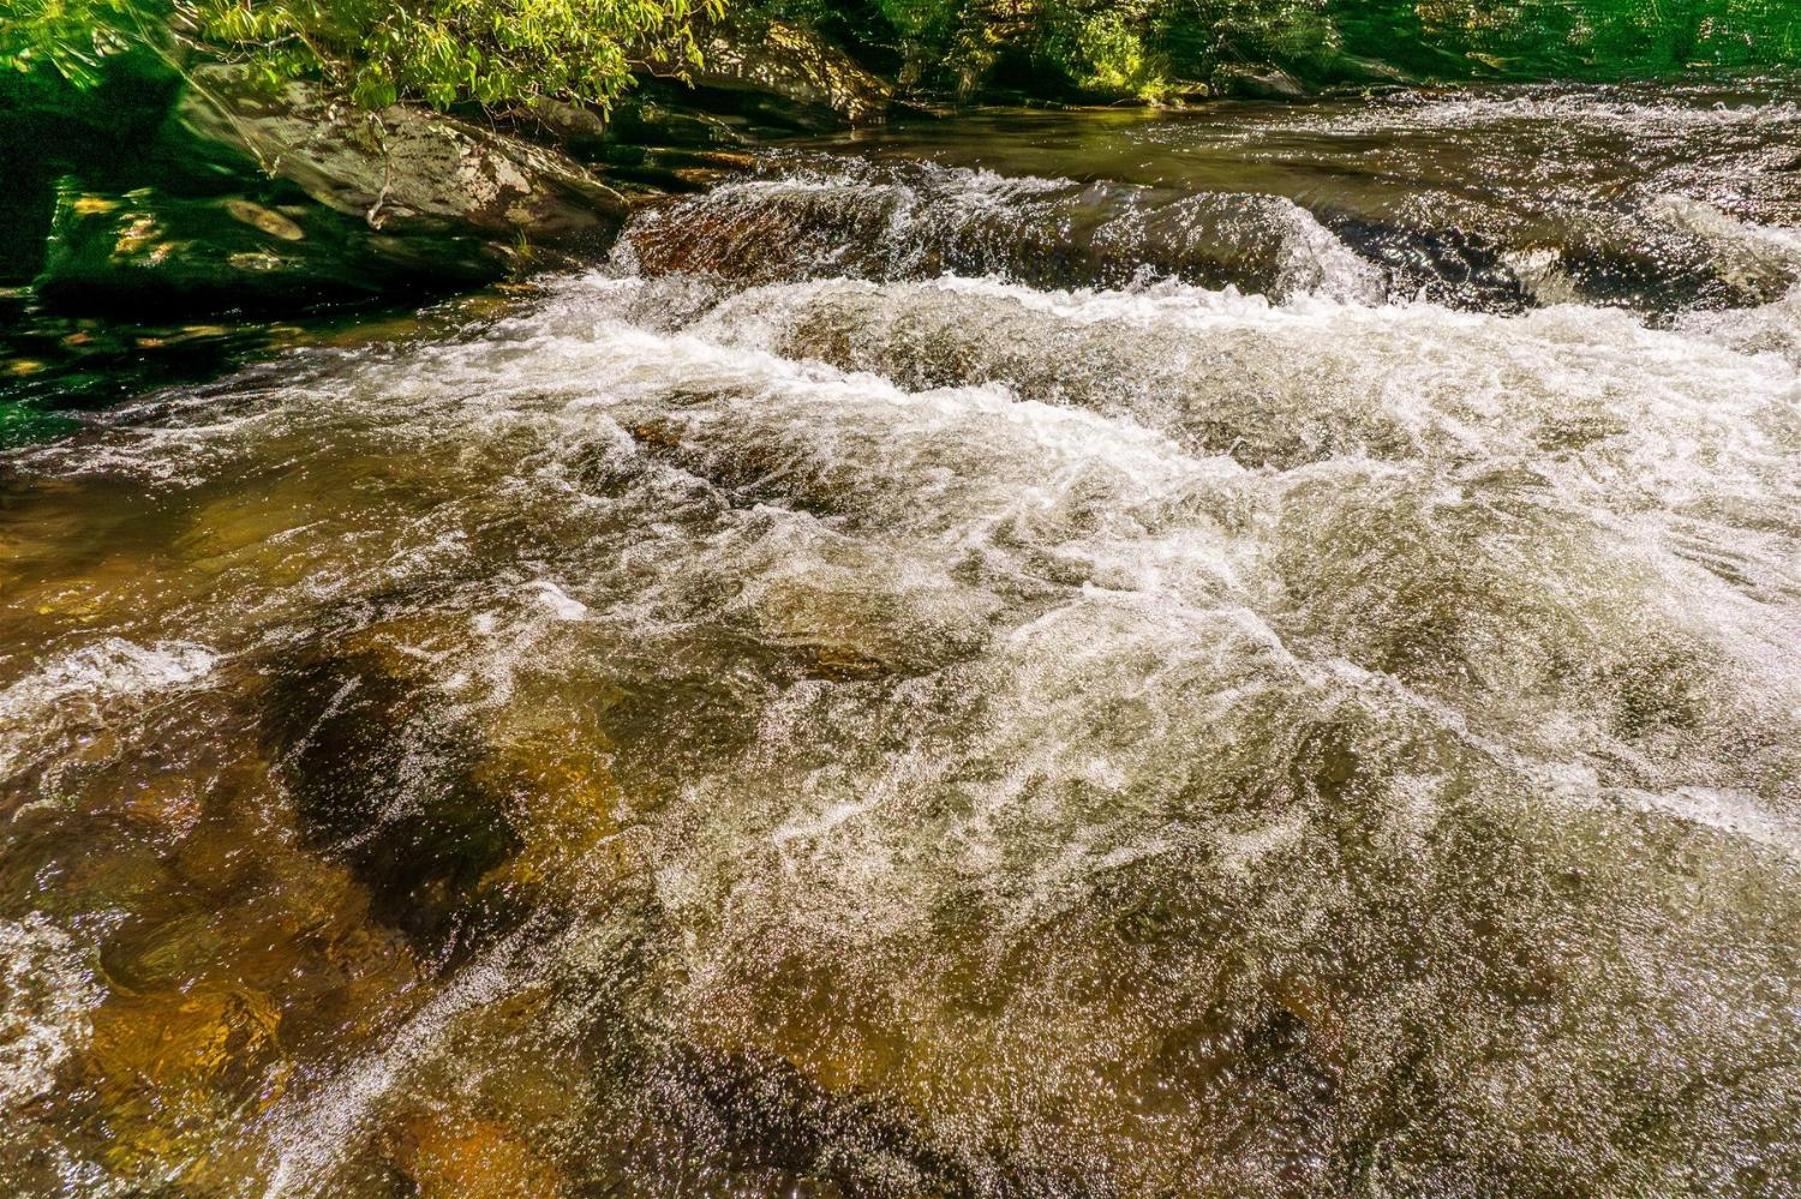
169,1070
785,61
471,1158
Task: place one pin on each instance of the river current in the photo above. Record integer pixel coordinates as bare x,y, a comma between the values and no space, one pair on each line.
1243,653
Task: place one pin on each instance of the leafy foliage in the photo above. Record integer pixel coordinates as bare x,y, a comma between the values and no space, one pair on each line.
504,52
445,52
1103,49
490,52
73,39
1146,47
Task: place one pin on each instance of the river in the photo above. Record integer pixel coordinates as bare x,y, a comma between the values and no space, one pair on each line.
1244,652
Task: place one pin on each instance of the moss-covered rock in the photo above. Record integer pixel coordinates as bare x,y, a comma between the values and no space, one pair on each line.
148,251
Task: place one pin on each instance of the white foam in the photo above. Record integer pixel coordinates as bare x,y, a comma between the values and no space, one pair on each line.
49,990
561,604
1752,256
110,668
1520,565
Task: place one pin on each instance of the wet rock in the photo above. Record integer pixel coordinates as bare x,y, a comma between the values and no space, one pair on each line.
1453,267
402,170
673,170
657,114
917,221
568,123
1257,82
472,1158
167,1069
789,63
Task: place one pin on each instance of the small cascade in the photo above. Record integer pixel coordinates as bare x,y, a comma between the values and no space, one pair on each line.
919,678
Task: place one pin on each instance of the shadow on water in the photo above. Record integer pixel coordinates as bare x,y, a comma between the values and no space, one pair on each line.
58,371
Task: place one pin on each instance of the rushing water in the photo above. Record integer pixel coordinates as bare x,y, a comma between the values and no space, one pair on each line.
1239,654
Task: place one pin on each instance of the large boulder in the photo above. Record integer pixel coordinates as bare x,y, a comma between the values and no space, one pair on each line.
784,61
278,198
401,169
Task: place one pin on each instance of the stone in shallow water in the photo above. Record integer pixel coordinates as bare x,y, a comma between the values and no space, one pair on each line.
381,774
471,1158
568,811
169,1068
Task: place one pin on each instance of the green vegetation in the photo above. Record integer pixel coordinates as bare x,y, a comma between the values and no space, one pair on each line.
489,52
44,41
1151,48
497,53
443,52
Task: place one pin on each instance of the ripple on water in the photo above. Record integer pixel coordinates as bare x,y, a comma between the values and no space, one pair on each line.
897,735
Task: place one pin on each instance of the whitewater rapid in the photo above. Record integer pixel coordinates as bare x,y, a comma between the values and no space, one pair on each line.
767,724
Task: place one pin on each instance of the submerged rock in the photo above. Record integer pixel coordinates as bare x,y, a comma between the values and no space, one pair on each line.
381,774
466,1158
762,1116
166,1068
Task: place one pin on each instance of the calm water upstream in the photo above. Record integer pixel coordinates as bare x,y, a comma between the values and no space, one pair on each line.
1247,653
